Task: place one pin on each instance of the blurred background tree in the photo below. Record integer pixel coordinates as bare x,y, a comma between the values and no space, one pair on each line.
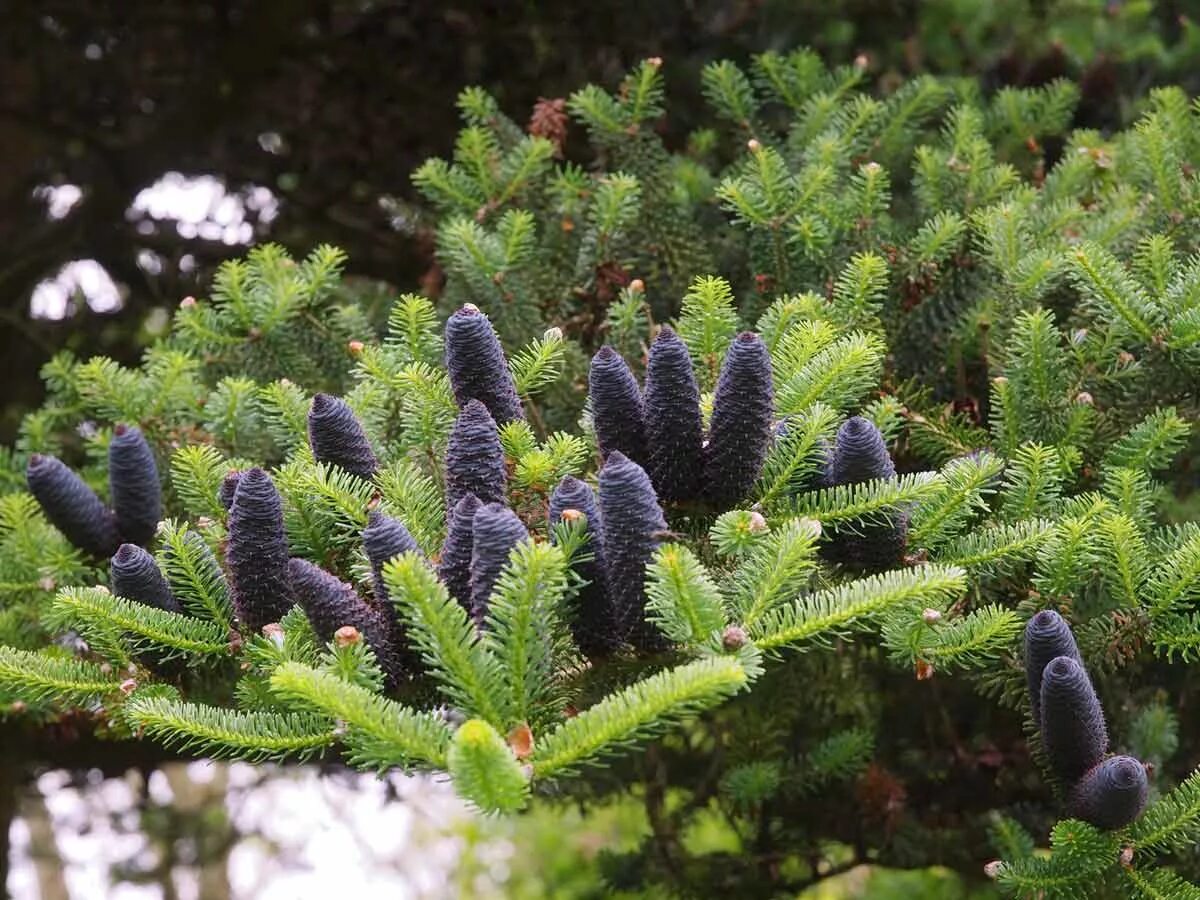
144,142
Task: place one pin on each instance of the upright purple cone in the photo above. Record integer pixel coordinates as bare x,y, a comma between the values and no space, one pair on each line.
632,525
495,532
134,575
336,436
454,568
617,412
593,622
674,427
474,457
740,431
133,485
477,366
257,554
860,454
72,507
330,603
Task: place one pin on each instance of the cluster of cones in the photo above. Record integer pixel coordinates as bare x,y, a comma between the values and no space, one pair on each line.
1105,791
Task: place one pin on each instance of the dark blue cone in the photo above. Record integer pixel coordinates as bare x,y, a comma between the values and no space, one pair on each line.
860,454
330,603
133,485
617,413
474,458
593,623
134,575
1074,734
384,539
477,366
1111,795
454,569
495,532
336,436
257,553
740,431
674,429
1047,637
632,525
228,488
72,507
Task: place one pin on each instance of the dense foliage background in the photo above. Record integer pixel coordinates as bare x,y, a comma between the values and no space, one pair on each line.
331,104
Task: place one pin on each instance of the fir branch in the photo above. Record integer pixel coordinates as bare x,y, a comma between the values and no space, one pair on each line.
220,733
637,713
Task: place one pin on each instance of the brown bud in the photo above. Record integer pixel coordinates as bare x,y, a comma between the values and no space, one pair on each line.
187,302
128,686
637,286
734,638
571,515
1083,398
1126,857
862,61
47,583
346,635
753,145
930,615
992,869
655,61
520,740
356,347
924,670
17,707
273,632
755,523
1000,379
1124,357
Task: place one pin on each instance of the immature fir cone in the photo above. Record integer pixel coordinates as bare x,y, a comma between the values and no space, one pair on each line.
228,488
1110,795
1074,735
71,506
257,554
329,603
336,436
133,485
134,575
860,454
384,539
632,524
455,567
617,412
474,457
477,366
593,623
1047,637
495,532
674,428
740,430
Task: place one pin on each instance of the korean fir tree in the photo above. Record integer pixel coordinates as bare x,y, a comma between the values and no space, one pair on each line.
875,547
